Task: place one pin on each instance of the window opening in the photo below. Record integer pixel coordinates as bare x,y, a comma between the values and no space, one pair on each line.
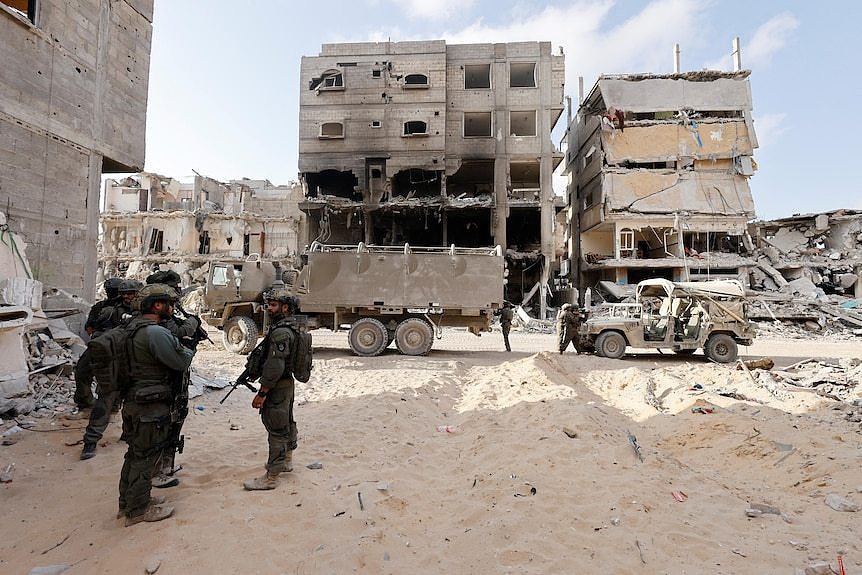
375,123
204,242
26,8
477,76
375,73
415,128
522,123
329,80
331,130
219,276
156,237
627,243
477,124
415,81
522,75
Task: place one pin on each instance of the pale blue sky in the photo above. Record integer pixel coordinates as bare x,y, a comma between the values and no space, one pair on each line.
224,75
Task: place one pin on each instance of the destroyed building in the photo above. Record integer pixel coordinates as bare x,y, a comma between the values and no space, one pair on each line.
809,254
154,221
73,100
659,168
431,144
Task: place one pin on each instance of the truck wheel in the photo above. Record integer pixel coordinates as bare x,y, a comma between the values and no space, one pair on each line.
414,336
720,348
240,334
367,337
611,344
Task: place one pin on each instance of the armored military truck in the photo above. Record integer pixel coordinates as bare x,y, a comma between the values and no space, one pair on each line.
680,316
378,294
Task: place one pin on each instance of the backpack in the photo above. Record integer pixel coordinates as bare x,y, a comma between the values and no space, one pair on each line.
111,358
302,355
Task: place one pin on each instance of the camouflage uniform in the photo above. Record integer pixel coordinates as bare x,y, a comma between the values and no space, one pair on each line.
506,315
277,411
157,360
108,396
95,326
568,323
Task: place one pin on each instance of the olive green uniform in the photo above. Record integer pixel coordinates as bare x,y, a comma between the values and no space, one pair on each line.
506,315
568,323
157,360
277,411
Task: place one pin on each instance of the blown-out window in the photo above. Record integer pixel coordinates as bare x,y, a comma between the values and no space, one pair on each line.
477,76
415,128
415,81
330,80
331,130
477,124
522,75
522,123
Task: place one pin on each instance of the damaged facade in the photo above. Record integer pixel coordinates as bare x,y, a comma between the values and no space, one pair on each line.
73,99
151,220
432,145
659,168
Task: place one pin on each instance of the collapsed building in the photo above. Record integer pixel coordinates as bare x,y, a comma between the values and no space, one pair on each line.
431,144
152,221
73,100
659,168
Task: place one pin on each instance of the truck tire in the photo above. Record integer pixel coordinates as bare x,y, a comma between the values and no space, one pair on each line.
720,348
414,336
611,344
367,337
240,334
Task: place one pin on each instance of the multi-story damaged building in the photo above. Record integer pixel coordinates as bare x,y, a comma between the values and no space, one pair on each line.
431,144
151,220
659,168
73,99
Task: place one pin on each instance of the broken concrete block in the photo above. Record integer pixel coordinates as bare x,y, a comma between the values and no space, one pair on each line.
22,292
821,222
802,287
846,280
787,240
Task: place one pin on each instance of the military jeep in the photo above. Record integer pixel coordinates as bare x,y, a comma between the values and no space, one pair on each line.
680,316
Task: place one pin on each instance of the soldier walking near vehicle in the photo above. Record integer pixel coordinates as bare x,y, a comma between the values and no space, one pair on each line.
157,360
274,399
506,315
568,323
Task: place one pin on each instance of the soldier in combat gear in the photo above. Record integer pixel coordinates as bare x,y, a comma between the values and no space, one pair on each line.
568,322
94,327
185,328
157,360
275,397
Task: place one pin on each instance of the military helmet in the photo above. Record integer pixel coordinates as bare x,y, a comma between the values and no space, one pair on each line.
130,285
152,293
283,296
112,287
167,277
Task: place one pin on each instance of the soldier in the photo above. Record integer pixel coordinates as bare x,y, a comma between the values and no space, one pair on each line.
568,323
185,328
506,315
108,400
83,369
157,361
275,397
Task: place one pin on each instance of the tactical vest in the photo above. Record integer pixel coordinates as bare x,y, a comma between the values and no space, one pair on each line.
146,368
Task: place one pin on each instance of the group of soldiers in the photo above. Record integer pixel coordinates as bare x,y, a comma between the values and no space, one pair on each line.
569,320
160,342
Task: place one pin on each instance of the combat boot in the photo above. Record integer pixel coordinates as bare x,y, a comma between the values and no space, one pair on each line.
89,450
151,513
264,482
163,480
155,500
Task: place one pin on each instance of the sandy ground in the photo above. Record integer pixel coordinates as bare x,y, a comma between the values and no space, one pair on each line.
469,460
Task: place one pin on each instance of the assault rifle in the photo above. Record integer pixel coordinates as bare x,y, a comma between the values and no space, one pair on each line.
252,370
201,334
